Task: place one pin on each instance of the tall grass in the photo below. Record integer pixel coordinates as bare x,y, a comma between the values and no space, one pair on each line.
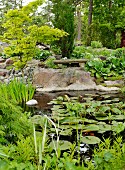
18,91
40,143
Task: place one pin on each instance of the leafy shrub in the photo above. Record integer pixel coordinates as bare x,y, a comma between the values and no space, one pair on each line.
42,54
110,157
10,128
120,52
49,63
96,44
82,52
111,67
55,49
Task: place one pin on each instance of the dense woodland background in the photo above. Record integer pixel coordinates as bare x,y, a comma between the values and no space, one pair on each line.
84,20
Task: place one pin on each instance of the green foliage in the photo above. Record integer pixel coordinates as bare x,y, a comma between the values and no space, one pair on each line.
17,91
96,44
95,116
90,53
50,64
113,66
42,54
22,36
119,52
10,128
109,156
64,20
7,164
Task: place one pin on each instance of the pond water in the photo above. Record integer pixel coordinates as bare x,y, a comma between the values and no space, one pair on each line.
105,98
44,98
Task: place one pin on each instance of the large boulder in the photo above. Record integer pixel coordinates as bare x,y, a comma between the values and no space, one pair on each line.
69,78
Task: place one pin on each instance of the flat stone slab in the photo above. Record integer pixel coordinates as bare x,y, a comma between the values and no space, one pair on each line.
113,83
69,61
80,87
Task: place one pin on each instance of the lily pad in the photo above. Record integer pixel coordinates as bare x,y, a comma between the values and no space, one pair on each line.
78,126
104,127
62,145
102,118
90,121
67,132
116,110
118,117
91,127
107,101
90,140
106,96
104,108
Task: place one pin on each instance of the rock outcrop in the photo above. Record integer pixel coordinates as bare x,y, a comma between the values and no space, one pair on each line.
66,80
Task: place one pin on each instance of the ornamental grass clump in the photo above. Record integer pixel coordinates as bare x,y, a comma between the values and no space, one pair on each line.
17,91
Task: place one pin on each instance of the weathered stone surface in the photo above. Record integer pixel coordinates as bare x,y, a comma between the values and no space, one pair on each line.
2,65
114,83
108,89
58,78
69,79
2,60
3,72
9,62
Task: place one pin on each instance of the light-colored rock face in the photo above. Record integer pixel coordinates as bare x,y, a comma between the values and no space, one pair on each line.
62,78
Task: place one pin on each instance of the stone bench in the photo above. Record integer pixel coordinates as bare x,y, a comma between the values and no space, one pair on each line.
71,62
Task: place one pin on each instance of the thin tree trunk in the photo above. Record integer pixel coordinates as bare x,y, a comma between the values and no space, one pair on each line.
89,38
90,12
79,25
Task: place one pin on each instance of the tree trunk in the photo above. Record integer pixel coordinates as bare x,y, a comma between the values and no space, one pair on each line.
122,38
89,38
79,25
90,12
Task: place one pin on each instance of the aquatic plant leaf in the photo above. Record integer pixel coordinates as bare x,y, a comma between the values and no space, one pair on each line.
107,101
106,96
90,139
62,144
115,100
90,121
104,127
118,117
116,110
78,126
71,120
102,118
104,108
56,107
91,127
89,110
118,127
66,132
100,114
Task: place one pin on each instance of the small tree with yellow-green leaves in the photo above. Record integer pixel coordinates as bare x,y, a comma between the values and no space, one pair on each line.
22,36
